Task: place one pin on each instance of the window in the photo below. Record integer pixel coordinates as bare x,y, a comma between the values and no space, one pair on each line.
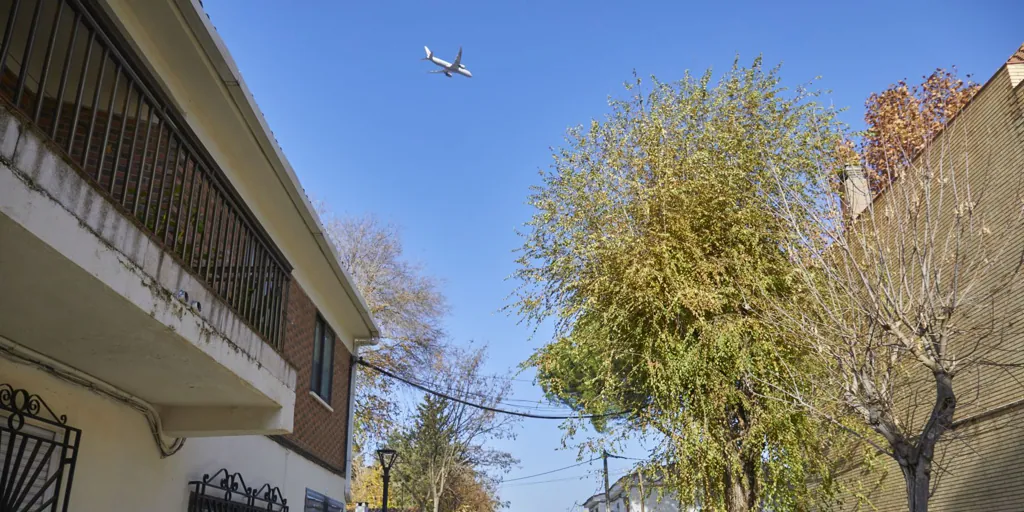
323,360
316,502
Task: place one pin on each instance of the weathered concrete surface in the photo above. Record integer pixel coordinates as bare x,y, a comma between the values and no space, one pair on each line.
84,285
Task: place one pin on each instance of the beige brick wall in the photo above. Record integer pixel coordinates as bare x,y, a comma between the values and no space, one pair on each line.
980,466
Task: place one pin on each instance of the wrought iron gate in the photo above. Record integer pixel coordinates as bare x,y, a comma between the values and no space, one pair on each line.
38,451
227,492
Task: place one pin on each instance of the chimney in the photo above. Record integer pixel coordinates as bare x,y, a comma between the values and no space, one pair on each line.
1015,67
856,194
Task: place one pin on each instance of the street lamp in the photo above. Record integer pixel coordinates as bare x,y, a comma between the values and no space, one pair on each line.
387,458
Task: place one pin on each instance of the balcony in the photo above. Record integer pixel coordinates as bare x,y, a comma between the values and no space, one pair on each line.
110,209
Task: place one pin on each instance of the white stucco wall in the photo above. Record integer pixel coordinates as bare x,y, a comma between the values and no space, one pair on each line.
119,466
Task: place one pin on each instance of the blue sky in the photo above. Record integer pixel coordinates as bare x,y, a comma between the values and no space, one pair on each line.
451,160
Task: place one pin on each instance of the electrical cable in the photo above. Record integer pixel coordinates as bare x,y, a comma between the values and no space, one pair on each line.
549,472
425,389
566,479
534,405
577,477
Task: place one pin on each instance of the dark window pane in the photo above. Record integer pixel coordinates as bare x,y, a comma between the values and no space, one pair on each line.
317,359
328,365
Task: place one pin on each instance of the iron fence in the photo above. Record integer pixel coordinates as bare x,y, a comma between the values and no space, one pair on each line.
227,492
62,69
38,452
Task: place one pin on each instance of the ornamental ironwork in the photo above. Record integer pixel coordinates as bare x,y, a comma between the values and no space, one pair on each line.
227,492
38,451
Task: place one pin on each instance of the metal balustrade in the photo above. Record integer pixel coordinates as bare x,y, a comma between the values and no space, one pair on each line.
61,69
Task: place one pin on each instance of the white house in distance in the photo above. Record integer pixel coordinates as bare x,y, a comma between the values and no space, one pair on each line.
631,493
175,330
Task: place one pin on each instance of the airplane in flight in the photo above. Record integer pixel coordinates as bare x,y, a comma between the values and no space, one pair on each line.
448,67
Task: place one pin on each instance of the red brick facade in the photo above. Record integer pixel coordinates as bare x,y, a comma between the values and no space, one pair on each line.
318,431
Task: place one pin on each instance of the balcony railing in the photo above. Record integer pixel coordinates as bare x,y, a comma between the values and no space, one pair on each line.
62,70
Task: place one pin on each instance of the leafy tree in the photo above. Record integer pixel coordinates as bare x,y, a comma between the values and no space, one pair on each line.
406,303
903,118
650,242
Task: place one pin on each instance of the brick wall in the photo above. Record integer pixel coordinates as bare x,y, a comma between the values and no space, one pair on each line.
980,466
318,431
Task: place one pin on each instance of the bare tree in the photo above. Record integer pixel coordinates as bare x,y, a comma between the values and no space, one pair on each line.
406,303
446,446
906,293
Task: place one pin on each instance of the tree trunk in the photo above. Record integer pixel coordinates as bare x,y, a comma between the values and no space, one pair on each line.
740,482
916,465
739,490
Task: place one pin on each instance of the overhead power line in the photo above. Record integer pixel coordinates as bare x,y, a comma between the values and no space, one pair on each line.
549,472
446,396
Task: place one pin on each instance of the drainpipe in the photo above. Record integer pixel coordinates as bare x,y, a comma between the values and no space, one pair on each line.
351,415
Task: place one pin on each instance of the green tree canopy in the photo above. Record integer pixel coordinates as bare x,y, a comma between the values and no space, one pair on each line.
650,246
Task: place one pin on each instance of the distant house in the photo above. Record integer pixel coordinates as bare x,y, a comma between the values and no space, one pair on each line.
631,493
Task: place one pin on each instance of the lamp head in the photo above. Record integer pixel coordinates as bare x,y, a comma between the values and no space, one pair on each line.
387,457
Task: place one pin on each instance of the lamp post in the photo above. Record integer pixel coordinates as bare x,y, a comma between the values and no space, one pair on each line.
387,458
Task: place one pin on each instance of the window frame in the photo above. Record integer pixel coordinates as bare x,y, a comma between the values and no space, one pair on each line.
324,344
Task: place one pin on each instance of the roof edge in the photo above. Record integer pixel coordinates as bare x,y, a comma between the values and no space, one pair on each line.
216,50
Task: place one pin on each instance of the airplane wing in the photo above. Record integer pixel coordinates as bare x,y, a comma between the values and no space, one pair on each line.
438,71
458,59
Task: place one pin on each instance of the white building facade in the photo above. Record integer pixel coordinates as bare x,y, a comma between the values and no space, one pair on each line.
631,493
175,330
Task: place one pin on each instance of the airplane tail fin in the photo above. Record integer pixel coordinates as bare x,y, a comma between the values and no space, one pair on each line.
429,53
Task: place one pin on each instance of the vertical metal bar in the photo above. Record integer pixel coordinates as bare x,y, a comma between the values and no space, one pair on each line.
121,132
275,308
191,217
257,278
110,121
81,90
26,58
250,299
282,295
120,135
229,256
64,76
229,241
72,462
235,262
181,196
264,293
221,255
211,197
163,186
95,110
257,281
286,294
197,248
275,275
239,290
152,181
250,276
142,165
265,310
8,34
46,63
268,276
131,154
236,294
211,255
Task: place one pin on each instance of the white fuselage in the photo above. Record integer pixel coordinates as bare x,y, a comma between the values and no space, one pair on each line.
448,67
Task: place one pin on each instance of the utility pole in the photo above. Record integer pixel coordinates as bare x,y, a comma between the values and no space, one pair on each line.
607,493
